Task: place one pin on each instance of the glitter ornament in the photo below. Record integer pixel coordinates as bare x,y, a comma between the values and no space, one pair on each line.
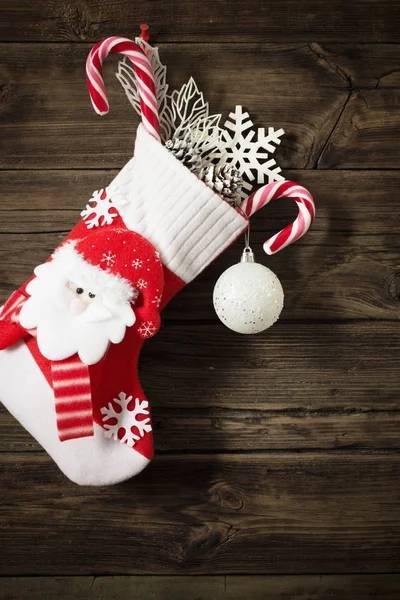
248,297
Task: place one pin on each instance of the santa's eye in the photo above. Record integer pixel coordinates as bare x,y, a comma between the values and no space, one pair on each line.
79,290
92,295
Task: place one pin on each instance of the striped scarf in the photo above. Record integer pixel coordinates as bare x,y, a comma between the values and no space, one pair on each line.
71,384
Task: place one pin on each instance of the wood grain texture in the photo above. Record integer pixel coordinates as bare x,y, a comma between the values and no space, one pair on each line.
369,121
211,429
277,456
347,267
262,514
362,65
47,108
206,587
181,21
336,112
212,391
307,366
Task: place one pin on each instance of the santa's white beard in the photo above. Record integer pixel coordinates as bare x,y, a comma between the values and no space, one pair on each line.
61,334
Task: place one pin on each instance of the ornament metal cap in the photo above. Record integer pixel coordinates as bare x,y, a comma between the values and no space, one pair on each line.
247,256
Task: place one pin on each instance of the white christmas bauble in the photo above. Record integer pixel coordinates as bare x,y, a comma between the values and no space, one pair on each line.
248,297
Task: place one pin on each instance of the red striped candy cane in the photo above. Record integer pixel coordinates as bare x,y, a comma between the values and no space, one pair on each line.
283,189
144,74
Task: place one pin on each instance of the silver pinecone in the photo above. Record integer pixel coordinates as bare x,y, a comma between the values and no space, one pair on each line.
225,181
184,152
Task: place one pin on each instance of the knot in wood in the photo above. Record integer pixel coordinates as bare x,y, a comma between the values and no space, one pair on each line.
226,496
79,24
394,286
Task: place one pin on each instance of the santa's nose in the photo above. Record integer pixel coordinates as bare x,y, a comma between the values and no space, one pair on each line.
76,307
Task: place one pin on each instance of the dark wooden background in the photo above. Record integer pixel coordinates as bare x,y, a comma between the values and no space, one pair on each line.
277,468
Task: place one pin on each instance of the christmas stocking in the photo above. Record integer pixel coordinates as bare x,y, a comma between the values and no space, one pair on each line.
71,336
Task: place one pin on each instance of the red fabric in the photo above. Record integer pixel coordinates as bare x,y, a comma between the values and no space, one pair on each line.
127,254
10,330
73,400
118,371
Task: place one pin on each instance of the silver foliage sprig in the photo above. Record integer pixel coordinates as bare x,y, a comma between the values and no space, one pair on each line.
183,114
196,138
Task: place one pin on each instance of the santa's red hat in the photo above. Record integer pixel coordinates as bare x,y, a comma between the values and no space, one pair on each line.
134,269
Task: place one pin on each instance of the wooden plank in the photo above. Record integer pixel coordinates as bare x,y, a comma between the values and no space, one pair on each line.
347,267
313,92
221,368
363,65
369,115
366,135
209,429
48,120
310,366
264,514
244,21
321,386
206,587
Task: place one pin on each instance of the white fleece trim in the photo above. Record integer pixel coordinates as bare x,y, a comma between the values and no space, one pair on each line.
158,197
87,461
69,258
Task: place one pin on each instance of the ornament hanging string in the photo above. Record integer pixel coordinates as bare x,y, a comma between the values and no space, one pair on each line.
283,189
247,255
247,237
144,74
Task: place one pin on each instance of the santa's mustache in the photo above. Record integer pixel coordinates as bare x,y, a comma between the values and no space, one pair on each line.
60,332
74,310
89,313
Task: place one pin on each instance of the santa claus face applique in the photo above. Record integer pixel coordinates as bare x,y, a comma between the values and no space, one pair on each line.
84,298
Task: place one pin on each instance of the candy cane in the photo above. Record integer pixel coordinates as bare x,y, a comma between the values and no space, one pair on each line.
144,74
283,189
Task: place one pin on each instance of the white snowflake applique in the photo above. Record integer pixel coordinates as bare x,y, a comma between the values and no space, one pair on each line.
100,211
142,284
126,420
109,258
147,329
137,263
248,152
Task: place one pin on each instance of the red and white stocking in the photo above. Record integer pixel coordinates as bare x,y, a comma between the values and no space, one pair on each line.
70,338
